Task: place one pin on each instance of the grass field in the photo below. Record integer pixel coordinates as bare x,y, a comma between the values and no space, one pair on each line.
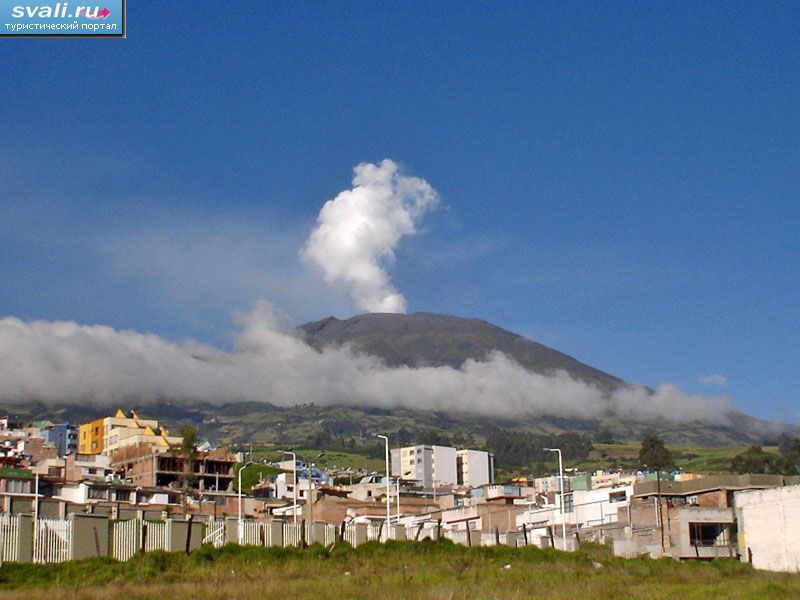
403,570
694,459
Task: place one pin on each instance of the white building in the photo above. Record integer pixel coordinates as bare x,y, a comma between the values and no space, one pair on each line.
474,468
769,527
582,508
430,465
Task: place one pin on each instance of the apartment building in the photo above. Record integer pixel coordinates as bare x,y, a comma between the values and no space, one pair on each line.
109,434
440,465
474,468
146,466
430,465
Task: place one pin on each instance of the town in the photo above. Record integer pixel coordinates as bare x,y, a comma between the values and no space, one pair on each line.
124,483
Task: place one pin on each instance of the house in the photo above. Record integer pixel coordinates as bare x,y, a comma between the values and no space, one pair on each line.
694,518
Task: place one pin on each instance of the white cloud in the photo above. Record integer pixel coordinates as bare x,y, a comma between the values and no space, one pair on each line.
358,231
64,361
714,379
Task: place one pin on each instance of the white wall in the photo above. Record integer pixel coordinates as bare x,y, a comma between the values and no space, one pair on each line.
475,467
444,465
593,507
769,527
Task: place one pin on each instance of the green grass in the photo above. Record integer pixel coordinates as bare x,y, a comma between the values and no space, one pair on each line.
330,458
693,459
403,570
690,459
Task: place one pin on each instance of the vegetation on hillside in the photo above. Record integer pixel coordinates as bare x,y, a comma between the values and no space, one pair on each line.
756,460
403,570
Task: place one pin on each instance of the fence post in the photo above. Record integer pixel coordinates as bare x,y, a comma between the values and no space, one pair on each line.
474,537
399,533
25,539
318,532
189,528
231,530
275,533
89,536
361,533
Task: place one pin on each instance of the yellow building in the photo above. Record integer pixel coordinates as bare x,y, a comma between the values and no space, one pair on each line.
104,436
90,437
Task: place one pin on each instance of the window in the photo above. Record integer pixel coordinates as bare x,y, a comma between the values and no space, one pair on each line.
569,503
617,496
16,486
708,534
123,495
98,494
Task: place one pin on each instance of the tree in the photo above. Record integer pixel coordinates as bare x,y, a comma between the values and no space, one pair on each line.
190,438
654,455
189,446
755,460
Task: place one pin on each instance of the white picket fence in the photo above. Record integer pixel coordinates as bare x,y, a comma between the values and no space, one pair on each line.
9,538
51,542
215,533
124,539
128,537
376,533
457,537
292,534
52,538
156,536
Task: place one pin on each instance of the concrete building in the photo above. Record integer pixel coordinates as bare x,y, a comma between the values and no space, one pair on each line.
474,468
441,465
428,464
769,527
146,466
109,434
689,519
62,436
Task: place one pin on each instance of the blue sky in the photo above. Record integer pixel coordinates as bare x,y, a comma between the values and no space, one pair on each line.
618,181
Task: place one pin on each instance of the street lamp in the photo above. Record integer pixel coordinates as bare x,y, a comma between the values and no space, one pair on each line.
388,490
294,475
561,487
240,534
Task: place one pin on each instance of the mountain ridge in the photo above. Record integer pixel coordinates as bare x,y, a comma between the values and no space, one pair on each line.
424,339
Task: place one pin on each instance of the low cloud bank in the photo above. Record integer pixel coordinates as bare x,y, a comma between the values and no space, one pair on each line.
68,362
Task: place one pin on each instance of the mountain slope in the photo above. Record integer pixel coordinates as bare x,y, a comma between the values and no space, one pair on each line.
426,339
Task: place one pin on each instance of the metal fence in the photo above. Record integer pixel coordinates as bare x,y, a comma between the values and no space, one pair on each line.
51,540
9,538
214,533
124,539
292,534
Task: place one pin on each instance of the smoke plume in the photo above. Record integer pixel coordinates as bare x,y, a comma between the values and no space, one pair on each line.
357,233
64,361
